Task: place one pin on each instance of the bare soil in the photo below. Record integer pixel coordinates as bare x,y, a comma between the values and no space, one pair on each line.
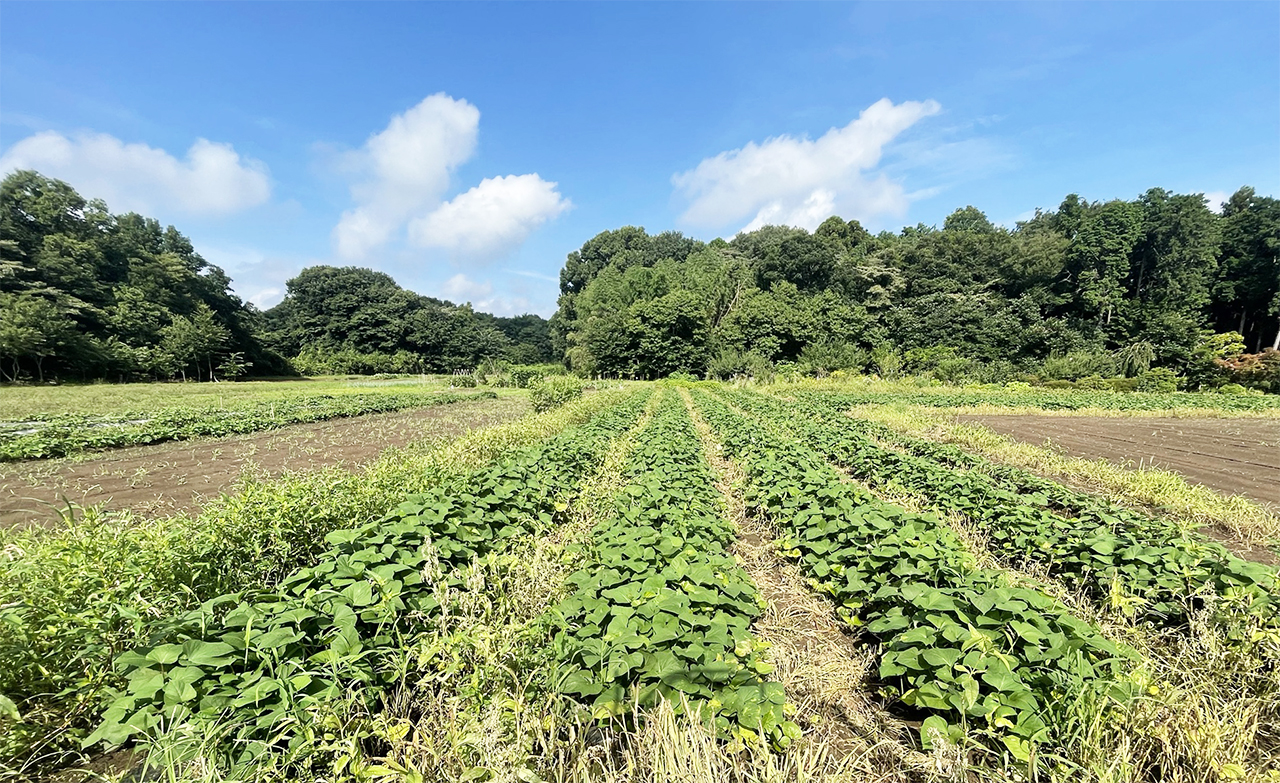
172,478
1232,456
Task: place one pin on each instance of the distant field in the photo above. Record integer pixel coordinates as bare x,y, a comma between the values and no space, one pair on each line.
180,477
24,402
864,391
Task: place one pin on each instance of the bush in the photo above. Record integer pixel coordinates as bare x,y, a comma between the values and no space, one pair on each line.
525,377
1161,380
827,357
1123,384
729,364
1254,370
549,393
1059,385
462,382
684,377
1078,364
1233,388
1096,382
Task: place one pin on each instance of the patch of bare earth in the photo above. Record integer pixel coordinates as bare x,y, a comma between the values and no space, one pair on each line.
170,478
1232,456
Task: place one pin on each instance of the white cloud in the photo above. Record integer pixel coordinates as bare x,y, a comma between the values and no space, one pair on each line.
405,169
491,218
1216,200
800,181
403,173
820,205
461,288
256,276
213,179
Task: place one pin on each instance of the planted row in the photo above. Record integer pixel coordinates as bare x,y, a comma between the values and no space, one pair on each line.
64,435
960,644
662,610
1114,555
263,663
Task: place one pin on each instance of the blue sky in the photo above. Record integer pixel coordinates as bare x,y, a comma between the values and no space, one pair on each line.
465,149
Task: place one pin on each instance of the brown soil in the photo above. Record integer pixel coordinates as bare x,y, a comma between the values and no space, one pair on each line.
180,477
1232,456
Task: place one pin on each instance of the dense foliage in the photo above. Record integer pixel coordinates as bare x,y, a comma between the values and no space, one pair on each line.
1091,289
86,294
353,320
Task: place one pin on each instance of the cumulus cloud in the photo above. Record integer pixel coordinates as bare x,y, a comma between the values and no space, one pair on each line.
492,217
802,181
403,173
405,169
461,288
213,179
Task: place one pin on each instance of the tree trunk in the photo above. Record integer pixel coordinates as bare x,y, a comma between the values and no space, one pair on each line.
1275,346
40,368
1241,329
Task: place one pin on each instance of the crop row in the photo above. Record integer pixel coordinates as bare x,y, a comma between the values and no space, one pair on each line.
960,644
261,663
1112,554
64,435
1060,400
662,610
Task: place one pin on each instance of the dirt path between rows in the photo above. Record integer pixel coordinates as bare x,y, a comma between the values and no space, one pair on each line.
1232,456
178,477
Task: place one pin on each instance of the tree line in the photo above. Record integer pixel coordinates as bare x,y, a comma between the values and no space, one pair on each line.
1091,289
87,294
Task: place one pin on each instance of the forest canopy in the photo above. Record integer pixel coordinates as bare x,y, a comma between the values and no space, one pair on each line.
1090,289
87,294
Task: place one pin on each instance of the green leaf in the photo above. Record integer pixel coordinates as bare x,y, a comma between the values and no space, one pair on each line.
165,654
9,709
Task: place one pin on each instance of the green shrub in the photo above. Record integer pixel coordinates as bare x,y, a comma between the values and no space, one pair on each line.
525,377
1161,380
1093,382
684,377
1123,384
462,382
1078,364
1059,385
550,393
1233,388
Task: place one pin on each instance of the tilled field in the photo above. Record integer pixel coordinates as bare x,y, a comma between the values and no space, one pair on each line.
180,477
1233,456
700,584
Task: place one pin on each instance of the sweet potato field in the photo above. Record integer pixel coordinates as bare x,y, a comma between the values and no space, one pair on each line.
574,605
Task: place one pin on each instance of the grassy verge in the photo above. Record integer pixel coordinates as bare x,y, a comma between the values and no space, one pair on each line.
1177,498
